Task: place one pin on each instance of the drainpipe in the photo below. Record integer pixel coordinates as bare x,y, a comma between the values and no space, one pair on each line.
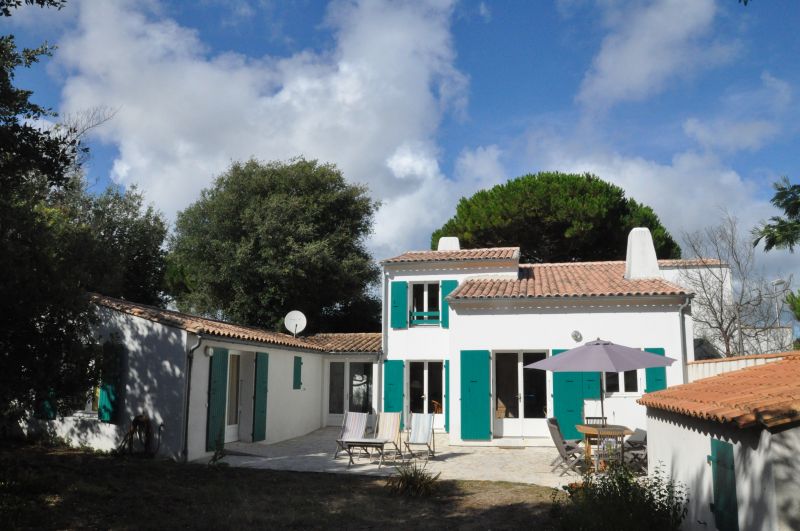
189,360
684,356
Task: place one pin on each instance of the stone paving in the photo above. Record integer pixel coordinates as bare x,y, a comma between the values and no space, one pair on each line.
314,453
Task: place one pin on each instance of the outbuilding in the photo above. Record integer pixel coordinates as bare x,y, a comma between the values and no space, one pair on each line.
734,441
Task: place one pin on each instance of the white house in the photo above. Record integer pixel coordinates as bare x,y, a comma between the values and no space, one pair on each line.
459,325
734,440
202,381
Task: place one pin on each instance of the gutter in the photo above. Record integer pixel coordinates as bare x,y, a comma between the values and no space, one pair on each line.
684,356
189,360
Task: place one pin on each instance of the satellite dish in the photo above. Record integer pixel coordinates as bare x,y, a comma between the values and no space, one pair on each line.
295,322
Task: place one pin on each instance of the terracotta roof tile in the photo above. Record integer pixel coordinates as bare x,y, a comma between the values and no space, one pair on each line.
493,253
572,279
690,262
763,394
349,342
202,325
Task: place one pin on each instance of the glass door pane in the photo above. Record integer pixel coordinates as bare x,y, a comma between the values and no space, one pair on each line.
434,395
416,386
534,383
507,405
336,388
360,387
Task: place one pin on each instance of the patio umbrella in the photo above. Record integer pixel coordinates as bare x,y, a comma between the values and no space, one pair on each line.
601,356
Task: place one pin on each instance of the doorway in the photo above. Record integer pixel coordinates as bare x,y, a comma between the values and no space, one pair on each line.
520,406
232,409
426,389
349,389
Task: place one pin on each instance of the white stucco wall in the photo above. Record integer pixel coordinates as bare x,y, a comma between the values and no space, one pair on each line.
290,412
681,444
707,368
546,325
786,469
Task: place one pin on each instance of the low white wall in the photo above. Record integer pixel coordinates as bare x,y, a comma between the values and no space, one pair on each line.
79,430
681,445
698,370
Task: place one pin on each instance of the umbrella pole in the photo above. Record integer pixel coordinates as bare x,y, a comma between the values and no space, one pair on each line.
602,395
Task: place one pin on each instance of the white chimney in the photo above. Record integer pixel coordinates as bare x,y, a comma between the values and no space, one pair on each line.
641,261
448,243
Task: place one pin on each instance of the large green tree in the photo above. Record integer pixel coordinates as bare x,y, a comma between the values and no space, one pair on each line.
555,217
46,346
268,238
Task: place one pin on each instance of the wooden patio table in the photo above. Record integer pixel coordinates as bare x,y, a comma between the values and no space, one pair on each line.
590,431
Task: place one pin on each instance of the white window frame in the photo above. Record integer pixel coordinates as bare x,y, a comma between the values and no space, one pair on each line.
623,390
425,300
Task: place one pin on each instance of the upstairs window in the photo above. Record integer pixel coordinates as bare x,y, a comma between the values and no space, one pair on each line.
622,382
425,303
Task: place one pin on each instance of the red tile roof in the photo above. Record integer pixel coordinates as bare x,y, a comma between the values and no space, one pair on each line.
349,342
571,279
691,262
213,327
494,253
768,395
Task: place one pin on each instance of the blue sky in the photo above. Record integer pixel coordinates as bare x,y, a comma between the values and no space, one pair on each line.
689,105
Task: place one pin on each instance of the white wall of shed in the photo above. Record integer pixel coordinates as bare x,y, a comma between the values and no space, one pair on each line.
680,445
786,468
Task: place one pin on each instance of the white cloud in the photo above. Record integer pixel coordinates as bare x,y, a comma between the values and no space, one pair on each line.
648,47
480,167
730,135
485,12
370,104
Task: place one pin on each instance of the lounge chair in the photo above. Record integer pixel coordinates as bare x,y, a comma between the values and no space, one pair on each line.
353,427
569,455
421,434
388,434
636,449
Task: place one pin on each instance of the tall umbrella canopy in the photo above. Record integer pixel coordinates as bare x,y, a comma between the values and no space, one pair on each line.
601,356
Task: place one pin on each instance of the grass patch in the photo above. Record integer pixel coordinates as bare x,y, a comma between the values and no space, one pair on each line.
46,488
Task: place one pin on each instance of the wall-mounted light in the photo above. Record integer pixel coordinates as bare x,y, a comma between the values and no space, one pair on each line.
576,336
209,352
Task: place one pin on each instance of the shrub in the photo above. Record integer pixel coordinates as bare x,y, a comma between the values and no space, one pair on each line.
412,480
619,500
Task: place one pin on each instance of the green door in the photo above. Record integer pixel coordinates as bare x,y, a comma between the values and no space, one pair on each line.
568,400
217,390
476,398
260,397
393,386
447,396
655,377
723,477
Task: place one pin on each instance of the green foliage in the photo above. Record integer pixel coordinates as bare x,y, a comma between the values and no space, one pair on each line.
782,232
413,481
272,237
555,217
621,501
793,300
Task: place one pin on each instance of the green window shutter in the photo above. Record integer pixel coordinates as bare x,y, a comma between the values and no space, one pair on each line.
447,287
447,396
723,477
260,397
297,380
568,392
399,304
393,387
107,403
591,385
476,398
47,407
656,377
217,394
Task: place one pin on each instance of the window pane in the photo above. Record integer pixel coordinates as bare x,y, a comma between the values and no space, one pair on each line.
416,382
631,382
507,386
361,387
435,387
534,384
433,299
612,382
418,297
336,389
